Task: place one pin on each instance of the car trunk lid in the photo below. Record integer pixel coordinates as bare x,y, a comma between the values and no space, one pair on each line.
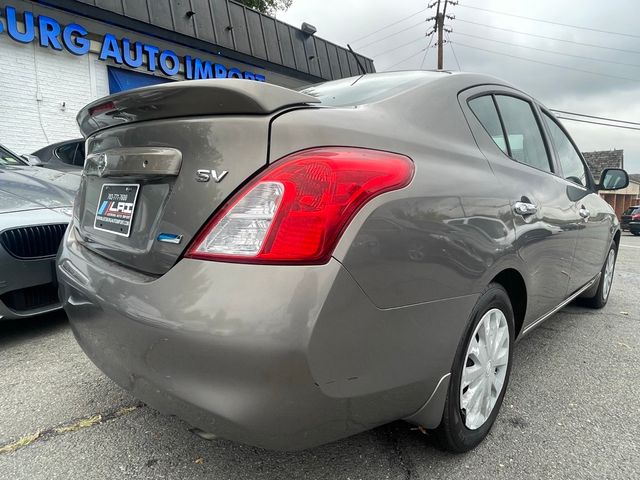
164,160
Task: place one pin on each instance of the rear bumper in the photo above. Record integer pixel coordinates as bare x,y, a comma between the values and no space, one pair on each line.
634,227
281,357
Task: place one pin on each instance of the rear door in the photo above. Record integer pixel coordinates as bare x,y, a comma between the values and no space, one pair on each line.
522,160
596,217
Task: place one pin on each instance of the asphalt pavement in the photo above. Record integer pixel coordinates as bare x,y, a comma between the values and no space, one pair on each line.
572,411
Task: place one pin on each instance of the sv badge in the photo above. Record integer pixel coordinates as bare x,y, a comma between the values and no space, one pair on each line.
206,175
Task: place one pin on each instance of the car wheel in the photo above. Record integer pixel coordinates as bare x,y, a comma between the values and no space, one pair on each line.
599,299
480,373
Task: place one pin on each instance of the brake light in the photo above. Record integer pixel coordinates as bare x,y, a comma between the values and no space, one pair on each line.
102,108
296,210
635,217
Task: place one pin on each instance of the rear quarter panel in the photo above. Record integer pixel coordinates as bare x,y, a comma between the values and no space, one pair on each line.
445,234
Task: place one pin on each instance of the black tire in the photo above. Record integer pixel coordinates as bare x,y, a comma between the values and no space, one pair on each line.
452,434
599,300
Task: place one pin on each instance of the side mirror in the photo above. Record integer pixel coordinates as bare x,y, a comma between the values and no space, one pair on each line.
613,179
32,160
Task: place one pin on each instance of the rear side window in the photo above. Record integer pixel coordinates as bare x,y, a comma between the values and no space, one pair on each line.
67,152
524,137
485,110
78,158
572,167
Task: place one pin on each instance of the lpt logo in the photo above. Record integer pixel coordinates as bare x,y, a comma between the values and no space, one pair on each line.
73,38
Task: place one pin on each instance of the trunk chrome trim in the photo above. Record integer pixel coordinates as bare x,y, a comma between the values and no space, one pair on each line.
532,325
134,161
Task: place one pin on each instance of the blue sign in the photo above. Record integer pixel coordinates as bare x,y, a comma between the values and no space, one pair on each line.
122,51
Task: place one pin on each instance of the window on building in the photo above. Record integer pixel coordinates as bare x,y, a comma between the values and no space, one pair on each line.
572,167
525,141
485,110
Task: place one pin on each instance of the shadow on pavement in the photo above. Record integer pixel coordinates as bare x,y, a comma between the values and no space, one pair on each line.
12,331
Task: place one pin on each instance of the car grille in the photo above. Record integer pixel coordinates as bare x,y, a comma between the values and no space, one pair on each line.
31,298
33,242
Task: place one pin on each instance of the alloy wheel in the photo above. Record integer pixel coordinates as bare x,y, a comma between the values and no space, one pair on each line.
485,368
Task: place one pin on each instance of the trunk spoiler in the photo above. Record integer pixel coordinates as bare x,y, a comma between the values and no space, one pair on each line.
188,98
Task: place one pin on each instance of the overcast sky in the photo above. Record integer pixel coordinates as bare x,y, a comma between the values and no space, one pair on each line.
346,21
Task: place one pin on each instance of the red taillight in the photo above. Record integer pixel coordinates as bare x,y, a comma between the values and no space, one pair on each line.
102,108
296,210
635,217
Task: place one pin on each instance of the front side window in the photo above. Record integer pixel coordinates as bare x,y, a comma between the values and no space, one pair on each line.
572,167
485,110
524,138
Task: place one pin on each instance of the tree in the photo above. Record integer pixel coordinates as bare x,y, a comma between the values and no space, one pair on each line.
267,6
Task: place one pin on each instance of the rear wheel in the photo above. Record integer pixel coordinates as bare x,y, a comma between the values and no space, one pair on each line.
480,373
601,296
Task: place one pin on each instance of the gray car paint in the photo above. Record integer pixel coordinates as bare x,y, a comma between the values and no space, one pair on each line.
31,196
333,349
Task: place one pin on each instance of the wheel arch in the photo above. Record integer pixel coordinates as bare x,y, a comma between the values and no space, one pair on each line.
513,282
616,238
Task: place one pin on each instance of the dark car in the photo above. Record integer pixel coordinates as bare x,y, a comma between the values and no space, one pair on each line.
65,156
285,268
35,209
631,218
631,214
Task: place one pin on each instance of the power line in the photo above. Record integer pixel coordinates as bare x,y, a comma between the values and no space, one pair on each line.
593,116
548,51
454,52
399,46
552,22
391,35
592,45
404,60
548,63
598,123
391,25
426,50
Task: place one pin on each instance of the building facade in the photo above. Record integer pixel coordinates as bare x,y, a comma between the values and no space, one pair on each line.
619,200
58,55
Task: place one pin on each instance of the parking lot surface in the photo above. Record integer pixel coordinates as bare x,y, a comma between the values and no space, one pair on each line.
572,411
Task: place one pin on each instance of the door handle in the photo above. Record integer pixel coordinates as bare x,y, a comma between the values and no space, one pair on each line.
525,208
584,212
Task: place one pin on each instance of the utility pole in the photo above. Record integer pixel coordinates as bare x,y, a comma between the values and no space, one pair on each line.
440,27
440,17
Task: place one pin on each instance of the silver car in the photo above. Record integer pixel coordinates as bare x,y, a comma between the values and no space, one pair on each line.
35,209
285,268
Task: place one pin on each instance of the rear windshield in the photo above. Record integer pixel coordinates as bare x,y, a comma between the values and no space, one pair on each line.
632,211
370,88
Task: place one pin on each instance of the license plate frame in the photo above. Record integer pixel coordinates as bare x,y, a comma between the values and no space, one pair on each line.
115,210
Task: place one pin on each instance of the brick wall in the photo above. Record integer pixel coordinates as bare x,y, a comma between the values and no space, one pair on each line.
29,73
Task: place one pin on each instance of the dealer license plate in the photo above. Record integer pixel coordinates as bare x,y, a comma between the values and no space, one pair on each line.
115,208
